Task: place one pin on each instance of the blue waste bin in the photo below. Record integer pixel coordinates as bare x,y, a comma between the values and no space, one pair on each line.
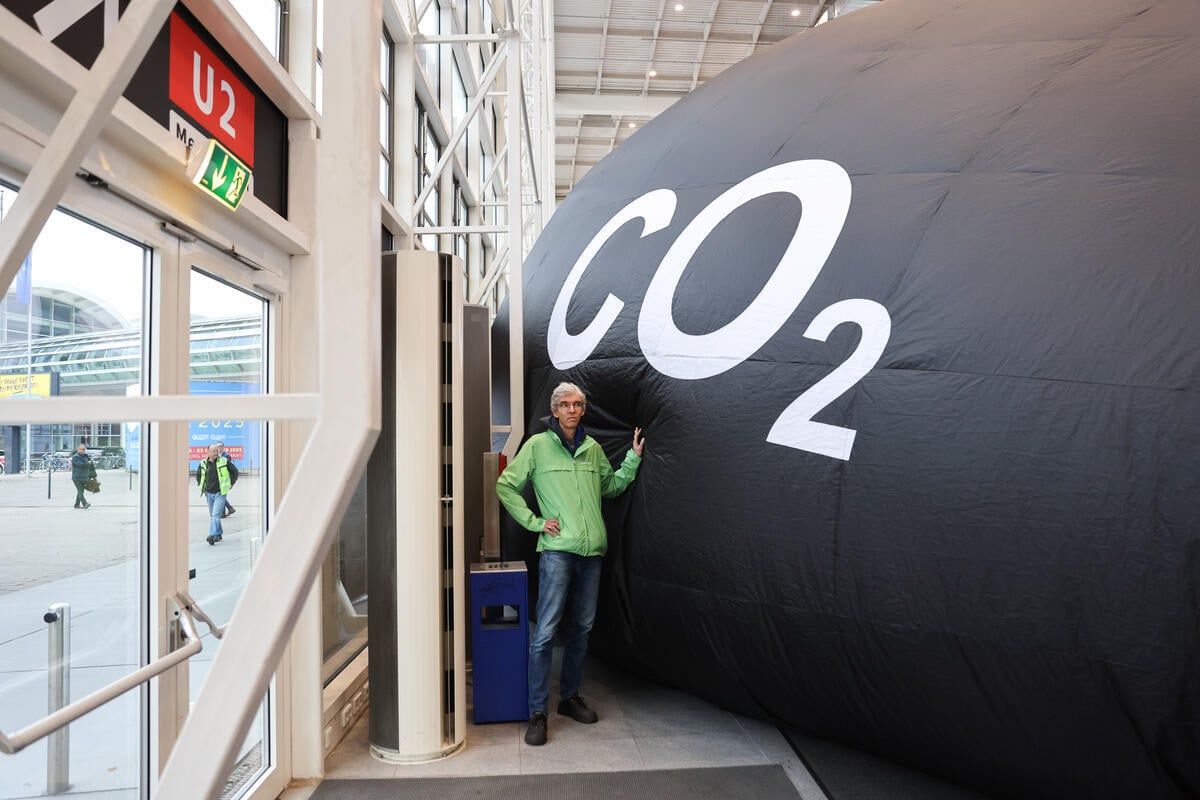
500,641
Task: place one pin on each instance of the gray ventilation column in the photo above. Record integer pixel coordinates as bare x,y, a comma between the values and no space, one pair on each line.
415,516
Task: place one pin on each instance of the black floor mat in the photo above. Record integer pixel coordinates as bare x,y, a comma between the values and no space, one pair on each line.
718,783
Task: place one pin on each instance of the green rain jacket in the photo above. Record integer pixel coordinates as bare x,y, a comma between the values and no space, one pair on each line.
568,489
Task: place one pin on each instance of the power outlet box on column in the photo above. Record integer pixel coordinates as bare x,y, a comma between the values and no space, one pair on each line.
343,701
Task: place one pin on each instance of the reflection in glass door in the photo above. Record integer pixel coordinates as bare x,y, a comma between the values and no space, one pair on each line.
227,480
73,561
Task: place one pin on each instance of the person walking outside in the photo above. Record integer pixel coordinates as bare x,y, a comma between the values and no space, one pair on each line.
570,473
82,468
216,476
229,509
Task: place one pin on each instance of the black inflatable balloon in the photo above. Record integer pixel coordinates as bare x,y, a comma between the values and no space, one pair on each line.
909,308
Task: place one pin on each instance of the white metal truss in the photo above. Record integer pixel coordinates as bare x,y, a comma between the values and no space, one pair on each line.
516,76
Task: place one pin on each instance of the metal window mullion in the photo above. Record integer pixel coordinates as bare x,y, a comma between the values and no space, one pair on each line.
489,279
516,331
537,193
460,130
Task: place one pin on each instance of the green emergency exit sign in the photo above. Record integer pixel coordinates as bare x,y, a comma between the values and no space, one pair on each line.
222,175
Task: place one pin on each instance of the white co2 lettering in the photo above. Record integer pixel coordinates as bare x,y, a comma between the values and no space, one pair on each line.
205,103
823,188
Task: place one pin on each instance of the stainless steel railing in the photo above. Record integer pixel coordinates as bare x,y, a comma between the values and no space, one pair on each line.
185,608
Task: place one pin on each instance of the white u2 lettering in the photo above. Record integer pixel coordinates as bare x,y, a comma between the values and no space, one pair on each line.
823,188
205,103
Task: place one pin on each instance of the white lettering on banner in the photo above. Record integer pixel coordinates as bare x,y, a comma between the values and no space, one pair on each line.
795,426
56,17
655,209
823,189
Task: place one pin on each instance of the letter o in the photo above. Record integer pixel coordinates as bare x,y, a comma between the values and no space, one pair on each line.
823,189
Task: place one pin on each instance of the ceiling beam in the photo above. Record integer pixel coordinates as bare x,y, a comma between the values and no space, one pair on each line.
712,15
603,42
653,46
762,20
575,153
616,105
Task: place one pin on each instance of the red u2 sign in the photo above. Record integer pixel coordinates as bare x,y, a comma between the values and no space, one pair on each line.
205,89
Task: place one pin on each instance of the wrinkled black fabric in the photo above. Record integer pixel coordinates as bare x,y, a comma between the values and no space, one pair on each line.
1001,586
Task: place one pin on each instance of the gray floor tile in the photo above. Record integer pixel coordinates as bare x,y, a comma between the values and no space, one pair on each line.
699,750
581,755
667,712
500,758
495,733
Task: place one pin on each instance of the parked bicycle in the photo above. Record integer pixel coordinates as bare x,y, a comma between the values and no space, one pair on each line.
54,462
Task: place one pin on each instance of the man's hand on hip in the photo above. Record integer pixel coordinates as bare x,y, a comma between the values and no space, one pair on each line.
551,527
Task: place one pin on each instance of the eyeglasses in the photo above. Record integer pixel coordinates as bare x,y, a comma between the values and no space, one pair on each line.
569,404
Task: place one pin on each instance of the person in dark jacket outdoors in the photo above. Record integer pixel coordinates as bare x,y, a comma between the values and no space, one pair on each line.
82,468
216,476
570,473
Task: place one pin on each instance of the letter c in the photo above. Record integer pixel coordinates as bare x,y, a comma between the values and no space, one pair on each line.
655,209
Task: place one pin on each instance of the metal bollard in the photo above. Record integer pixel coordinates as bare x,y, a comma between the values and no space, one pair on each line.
58,753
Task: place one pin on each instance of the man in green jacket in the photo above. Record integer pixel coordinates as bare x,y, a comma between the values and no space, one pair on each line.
216,476
570,474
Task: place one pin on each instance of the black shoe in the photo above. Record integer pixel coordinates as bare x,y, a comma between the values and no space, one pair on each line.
210,540
576,709
535,734
218,537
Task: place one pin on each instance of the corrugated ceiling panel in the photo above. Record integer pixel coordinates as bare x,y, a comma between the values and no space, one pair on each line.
677,54
577,45
727,53
627,47
740,13
781,15
586,8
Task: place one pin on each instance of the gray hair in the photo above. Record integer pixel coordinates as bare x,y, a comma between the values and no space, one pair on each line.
561,391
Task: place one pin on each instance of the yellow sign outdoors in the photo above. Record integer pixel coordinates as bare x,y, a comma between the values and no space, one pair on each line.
14,385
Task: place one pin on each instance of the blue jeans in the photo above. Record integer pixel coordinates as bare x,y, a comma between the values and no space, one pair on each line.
562,576
216,507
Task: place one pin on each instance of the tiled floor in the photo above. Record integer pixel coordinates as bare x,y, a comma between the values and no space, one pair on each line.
642,726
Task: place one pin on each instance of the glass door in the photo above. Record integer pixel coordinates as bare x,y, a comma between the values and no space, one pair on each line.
227,507
89,571
73,513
